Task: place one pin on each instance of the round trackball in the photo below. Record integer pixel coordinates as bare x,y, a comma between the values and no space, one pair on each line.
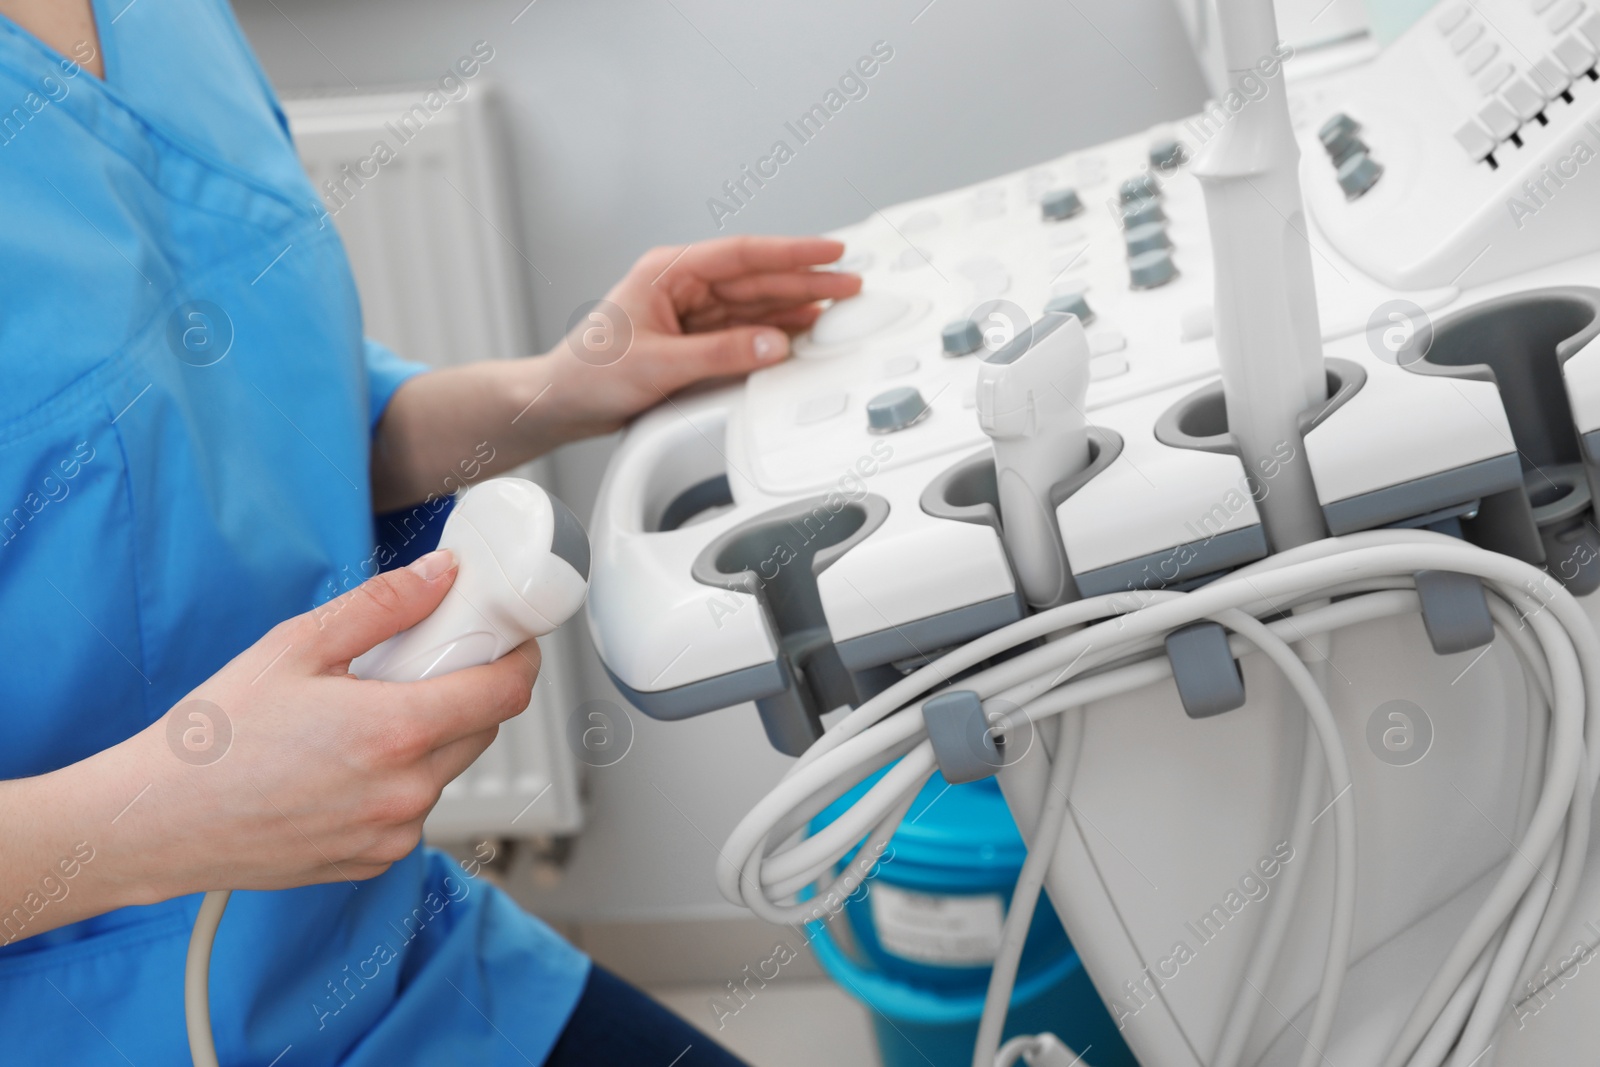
524,570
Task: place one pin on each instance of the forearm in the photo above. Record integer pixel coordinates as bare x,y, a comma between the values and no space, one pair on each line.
69,847
448,427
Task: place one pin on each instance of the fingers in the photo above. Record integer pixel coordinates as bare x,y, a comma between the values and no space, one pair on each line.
793,287
731,257
465,702
735,350
720,316
447,763
374,611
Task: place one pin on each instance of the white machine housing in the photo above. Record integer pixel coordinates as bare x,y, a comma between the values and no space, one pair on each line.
758,542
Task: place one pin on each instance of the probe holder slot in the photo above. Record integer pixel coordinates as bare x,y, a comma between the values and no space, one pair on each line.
1520,343
968,491
776,557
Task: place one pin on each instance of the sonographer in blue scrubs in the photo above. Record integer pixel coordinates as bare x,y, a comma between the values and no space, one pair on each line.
194,438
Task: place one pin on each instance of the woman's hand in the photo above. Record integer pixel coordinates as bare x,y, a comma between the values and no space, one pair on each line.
280,770
682,314
706,310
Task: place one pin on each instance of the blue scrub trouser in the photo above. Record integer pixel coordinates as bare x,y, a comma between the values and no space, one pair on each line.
615,1025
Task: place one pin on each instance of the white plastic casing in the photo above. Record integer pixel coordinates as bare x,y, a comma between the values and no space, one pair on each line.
523,572
1032,408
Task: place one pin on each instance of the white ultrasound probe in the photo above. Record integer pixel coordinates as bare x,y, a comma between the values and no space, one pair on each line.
524,562
524,570
1030,401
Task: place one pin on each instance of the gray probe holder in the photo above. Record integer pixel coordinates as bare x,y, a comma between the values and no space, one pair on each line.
966,748
966,492
1455,611
1208,678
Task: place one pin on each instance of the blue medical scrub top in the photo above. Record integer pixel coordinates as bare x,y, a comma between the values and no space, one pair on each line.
186,406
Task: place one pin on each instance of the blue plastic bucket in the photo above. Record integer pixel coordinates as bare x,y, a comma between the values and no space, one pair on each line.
925,926
948,875
921,1027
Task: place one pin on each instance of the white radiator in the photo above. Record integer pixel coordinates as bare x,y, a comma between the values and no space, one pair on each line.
427,224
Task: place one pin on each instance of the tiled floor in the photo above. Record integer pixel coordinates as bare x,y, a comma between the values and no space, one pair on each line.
801,1023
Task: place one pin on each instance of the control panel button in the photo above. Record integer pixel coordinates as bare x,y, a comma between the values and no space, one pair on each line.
1139,187
912,259
900,366
1524,100
1479,55
820,408
1494,77
1195,324
1574,54
896,409
858,317
1564,15
1358,174
961,338
1144,238
1105,342
855,262
1142,213
1167,154
1060,204
1071,304
1344,148
1148,270
1336,129
1498,120
1452,19
1589,29
1549,78
1476,140
1464,38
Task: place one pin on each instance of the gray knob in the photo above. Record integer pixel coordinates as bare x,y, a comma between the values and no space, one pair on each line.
1142,213
1071,304
1139,187
1358,174
1149,236
961,337
1150,269
1338,128
1338,137
1340,151
1167,154
1061,204
895,410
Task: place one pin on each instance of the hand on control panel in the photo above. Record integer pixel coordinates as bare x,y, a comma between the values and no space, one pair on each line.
714,308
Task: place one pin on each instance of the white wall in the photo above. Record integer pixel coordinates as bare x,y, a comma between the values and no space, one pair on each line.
624,116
